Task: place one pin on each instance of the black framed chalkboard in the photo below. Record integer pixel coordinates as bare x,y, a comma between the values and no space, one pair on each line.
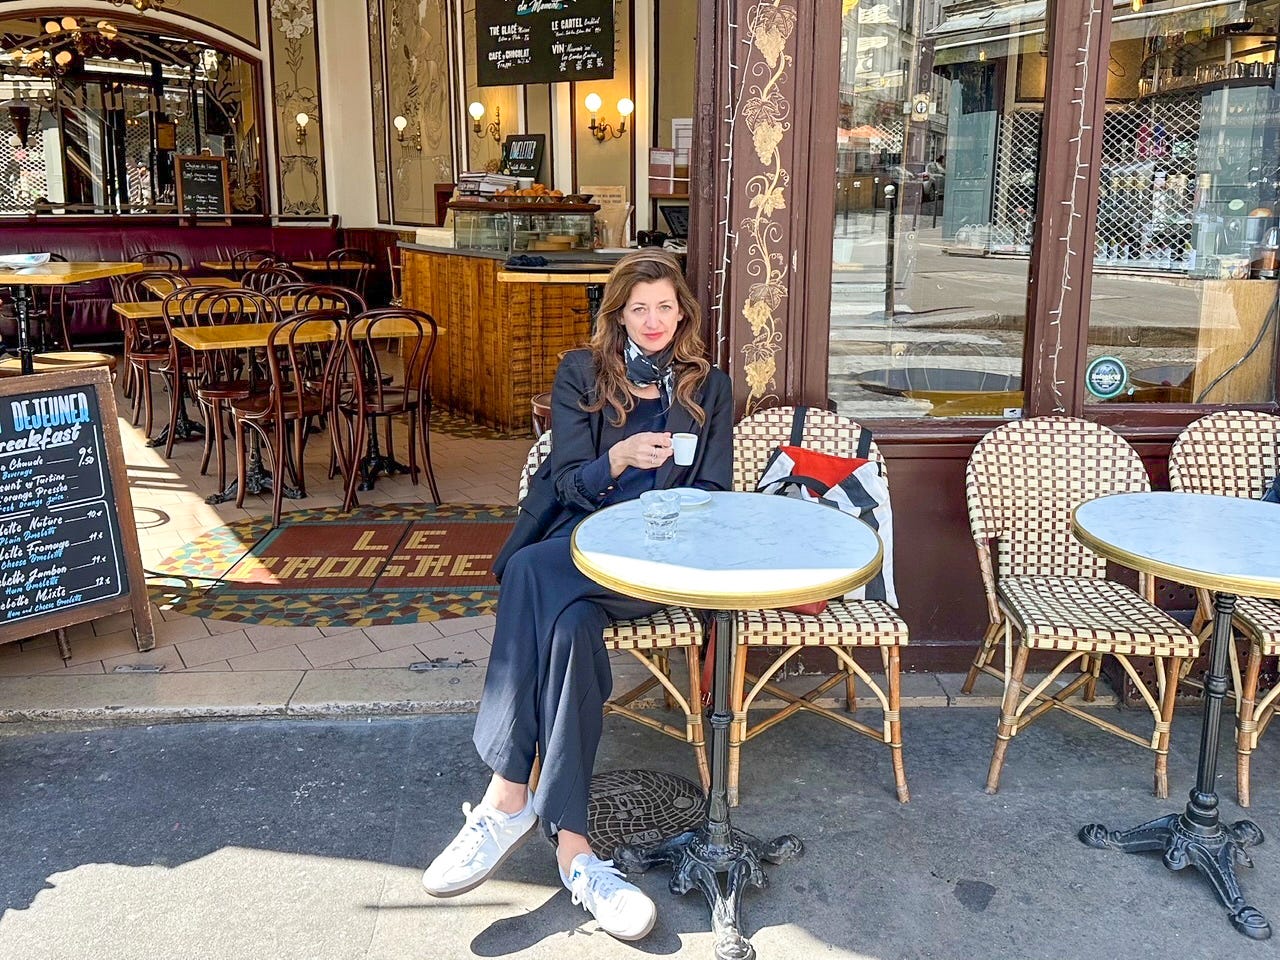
543,41
523,152
68,546
202,185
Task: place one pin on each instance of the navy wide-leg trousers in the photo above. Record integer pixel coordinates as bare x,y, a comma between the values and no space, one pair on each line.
549,677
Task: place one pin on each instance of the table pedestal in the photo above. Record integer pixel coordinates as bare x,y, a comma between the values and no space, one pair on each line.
1197,837
22,313
699,857
256,479
376,462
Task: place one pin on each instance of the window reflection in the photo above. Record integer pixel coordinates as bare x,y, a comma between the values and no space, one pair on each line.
92,114
938,101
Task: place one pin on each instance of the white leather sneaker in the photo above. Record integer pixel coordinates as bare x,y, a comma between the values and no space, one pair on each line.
622,909
486,840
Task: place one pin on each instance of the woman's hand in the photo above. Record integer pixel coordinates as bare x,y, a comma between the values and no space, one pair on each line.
645,451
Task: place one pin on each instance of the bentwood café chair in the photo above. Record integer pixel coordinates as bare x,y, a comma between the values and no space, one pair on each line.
651,640
1236,453
1043,586
843,627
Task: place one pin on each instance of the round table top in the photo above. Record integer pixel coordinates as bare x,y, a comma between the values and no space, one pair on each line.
1227,544
740,551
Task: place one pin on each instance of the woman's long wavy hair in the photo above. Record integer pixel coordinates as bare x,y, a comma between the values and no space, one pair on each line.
610,337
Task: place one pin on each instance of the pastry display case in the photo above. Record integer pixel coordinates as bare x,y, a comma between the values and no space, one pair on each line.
523,225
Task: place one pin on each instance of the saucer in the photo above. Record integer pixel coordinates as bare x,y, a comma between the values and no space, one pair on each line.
692,496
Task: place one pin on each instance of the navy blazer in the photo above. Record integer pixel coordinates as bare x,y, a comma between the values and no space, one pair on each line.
556,497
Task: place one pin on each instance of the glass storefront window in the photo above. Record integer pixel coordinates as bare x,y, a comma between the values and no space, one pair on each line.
940,102
1188,234
95,112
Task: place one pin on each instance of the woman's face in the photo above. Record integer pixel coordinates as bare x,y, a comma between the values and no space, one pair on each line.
651,314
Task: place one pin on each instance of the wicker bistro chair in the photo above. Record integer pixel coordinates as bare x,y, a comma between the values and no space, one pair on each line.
844,626
1237,454
650,640
1023,481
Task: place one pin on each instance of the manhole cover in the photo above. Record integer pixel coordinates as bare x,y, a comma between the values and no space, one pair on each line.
640,806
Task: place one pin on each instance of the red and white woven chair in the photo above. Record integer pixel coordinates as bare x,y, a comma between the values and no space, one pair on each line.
1023,481
650,640
1236,453
842,628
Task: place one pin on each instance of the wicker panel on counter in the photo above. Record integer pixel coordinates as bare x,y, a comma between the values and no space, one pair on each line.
502,341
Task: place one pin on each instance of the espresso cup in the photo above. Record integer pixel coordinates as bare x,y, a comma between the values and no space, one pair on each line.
683,446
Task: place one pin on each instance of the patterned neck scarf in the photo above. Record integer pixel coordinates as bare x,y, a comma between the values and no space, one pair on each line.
644,370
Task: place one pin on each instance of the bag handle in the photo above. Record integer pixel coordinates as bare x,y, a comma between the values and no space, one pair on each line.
797,434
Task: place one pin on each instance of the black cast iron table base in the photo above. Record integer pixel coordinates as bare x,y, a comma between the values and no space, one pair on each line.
697,862
376,462
1197,837
186,429
699,857
256,479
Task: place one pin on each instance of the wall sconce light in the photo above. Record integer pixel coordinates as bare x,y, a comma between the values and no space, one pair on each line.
415,138
605,131
493,128
300,131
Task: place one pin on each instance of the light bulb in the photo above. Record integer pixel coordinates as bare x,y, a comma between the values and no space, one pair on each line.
52,27
302,119
70,23
1136,5
400,123
63,58
593,102
626,106
982,56
476,109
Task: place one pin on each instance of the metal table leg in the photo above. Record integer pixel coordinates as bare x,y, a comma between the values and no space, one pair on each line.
375,461
1197,837
699,857
256,478
22,310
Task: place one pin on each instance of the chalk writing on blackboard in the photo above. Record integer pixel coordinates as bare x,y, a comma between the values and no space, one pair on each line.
202,185
543,41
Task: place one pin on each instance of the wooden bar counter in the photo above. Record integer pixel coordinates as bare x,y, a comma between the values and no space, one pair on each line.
506,333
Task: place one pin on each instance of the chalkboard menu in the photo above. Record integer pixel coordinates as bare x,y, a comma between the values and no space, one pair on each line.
523,152
202,185
543,41
68,548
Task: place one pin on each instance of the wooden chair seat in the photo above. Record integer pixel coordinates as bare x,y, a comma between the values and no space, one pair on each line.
1093,616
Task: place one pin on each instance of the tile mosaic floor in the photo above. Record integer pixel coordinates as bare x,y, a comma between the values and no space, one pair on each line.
169,510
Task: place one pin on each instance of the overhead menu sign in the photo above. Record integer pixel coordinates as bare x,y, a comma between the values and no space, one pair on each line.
543,41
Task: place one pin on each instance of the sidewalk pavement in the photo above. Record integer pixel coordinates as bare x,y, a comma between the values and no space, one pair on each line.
284,838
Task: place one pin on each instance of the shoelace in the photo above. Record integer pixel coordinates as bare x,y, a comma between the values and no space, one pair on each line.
479,823
601,879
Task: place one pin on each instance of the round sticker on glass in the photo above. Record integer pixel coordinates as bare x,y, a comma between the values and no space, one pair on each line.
1106,378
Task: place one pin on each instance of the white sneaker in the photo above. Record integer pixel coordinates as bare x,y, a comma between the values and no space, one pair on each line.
484,842
621,908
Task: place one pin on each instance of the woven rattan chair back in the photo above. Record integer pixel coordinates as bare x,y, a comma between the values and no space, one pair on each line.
757,436
1233,453
540,450
1026,477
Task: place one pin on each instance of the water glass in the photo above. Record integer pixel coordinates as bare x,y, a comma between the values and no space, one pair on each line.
661,509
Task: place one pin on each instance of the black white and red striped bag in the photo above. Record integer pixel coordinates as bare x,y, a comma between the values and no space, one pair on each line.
852,485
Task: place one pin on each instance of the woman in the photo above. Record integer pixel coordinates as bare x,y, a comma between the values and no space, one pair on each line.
614,407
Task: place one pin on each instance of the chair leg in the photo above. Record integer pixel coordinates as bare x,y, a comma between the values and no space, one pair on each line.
1162,729
146,401
358,427
851,691
241,456
738,725
279,457
413,446
893,678
1094,667
1246,723
697,736
982,657
175,404
425,426
1008,718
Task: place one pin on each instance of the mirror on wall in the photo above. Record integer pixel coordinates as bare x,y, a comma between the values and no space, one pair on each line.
93,113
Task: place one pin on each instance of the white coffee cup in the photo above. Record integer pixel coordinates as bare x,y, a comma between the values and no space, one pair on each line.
683,446
524,183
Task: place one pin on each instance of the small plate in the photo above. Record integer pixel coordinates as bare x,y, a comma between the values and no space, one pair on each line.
692,496
24,259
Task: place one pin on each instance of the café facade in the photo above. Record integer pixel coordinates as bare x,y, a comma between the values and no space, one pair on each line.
930,216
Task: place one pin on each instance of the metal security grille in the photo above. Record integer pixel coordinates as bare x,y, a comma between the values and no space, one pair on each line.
1146,183
22,174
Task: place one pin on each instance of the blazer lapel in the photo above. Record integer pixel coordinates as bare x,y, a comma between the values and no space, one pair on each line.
679,420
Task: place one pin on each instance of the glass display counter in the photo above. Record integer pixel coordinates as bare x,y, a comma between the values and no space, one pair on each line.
523,226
